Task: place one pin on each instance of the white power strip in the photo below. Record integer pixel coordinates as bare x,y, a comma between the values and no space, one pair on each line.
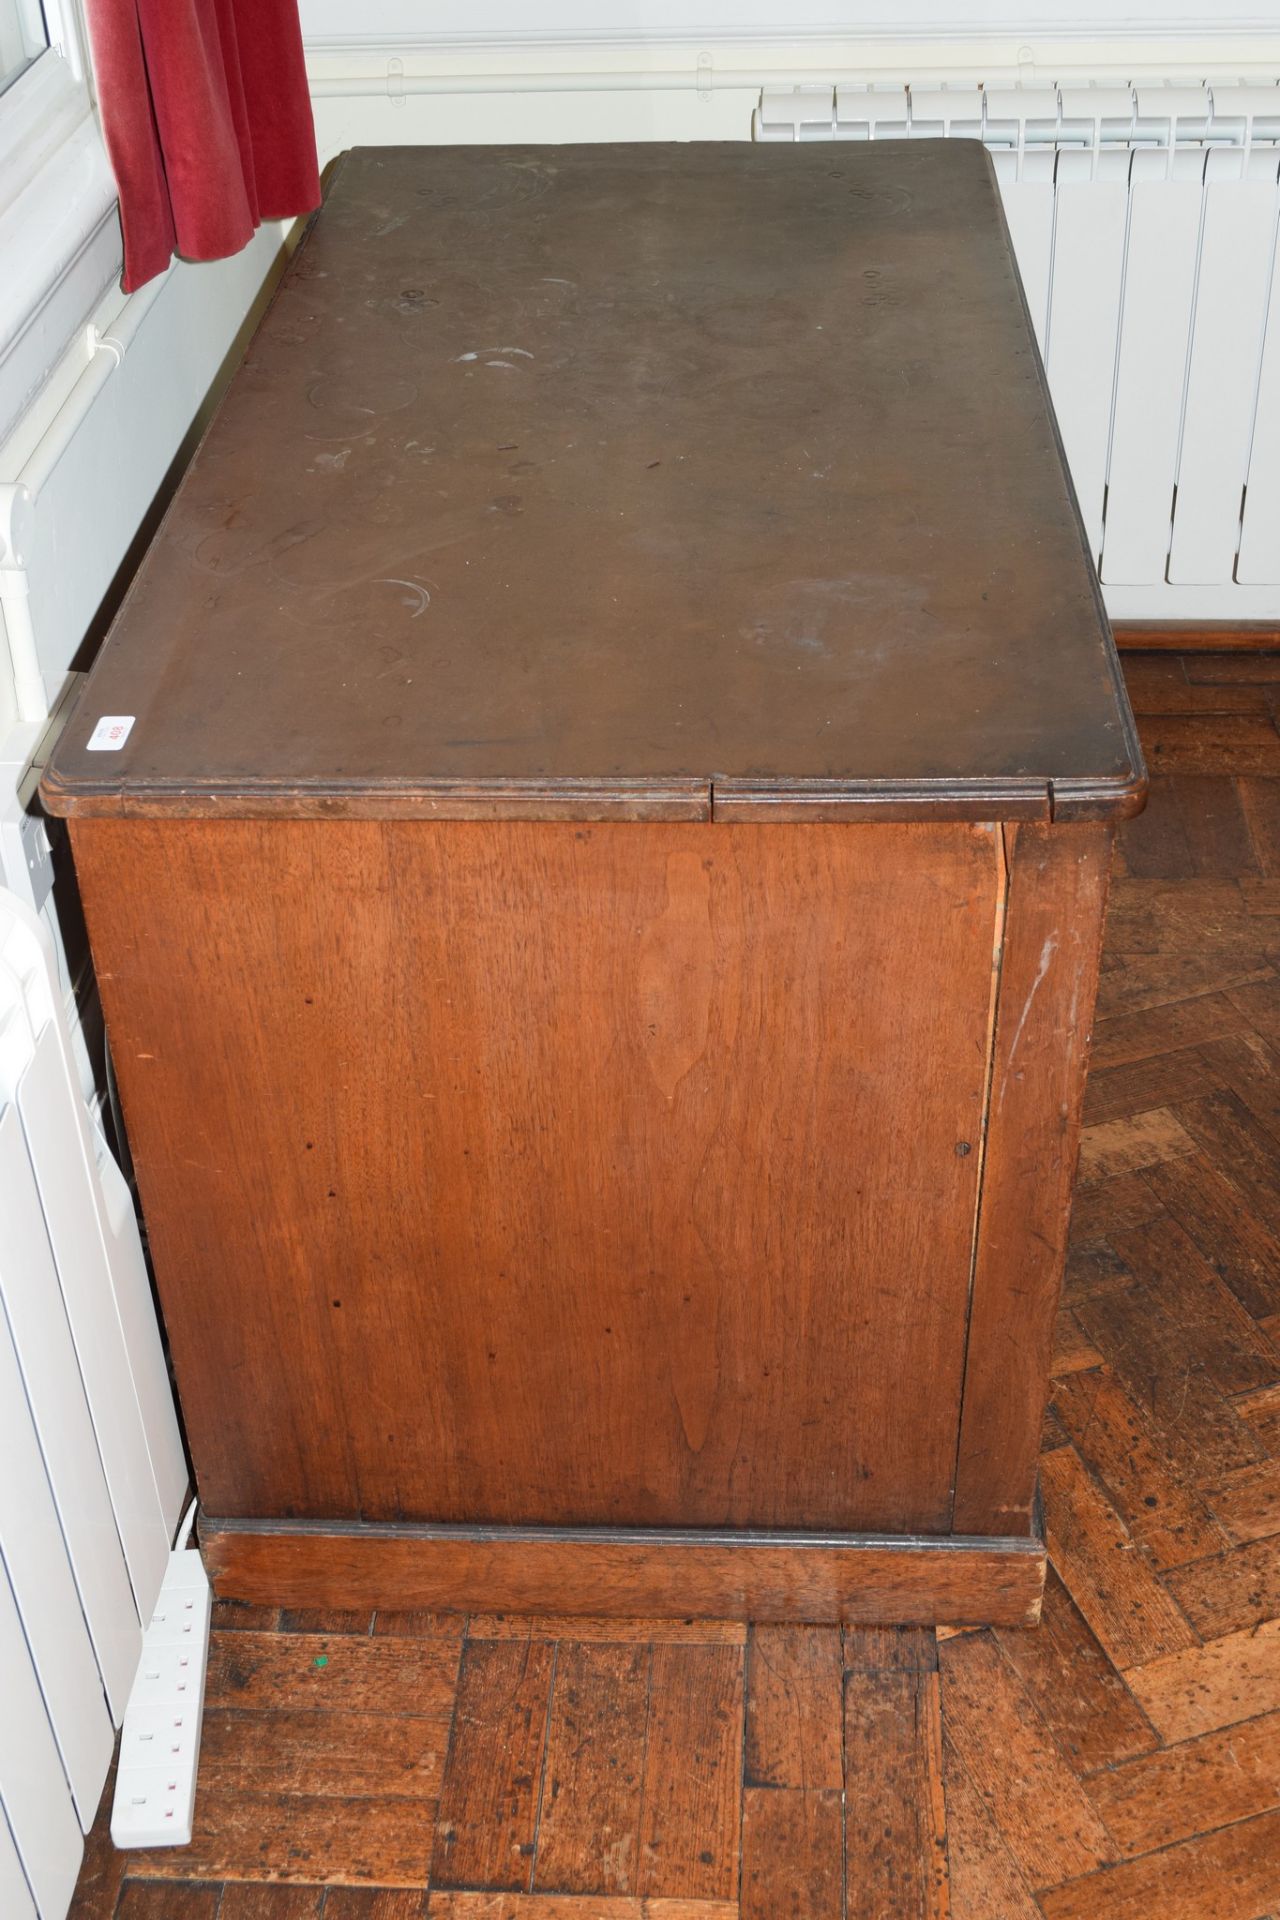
160,1742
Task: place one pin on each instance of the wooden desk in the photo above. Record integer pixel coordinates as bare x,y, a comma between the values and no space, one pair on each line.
598,906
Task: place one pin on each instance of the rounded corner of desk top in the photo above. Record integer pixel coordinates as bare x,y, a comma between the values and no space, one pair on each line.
60,800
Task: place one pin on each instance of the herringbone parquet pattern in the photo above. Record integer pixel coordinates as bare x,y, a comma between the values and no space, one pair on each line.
1122,1762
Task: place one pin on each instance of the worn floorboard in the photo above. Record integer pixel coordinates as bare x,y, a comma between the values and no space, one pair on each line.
1120,1762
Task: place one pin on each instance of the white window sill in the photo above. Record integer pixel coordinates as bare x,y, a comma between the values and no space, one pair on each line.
59,230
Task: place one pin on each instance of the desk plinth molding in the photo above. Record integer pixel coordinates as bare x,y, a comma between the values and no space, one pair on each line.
873,1579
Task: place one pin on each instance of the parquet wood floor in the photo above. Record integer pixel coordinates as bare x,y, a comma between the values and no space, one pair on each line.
1122,1762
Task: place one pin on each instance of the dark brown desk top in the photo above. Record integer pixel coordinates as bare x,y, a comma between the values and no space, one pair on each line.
637,480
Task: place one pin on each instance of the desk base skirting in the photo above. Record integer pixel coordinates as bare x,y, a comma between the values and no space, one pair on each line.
886,1580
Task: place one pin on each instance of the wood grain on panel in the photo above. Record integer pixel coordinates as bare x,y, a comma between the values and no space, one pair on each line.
140,1900
317,1839
373,1903
1073,1686
1195,636
794,1682
593,1784
488,1814
1243,1590
690,1823
350,1755
792,1854
1130,1610
321,1673
1114,1438
912,1581
1049,972
561,1174
243,1900
1013,1761
895,1820
986,1881
1213,1877
1200,1688
1119,1761
561,1906
1208,1782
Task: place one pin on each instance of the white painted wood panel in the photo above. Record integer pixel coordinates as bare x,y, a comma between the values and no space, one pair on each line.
75,1308
51,1376
33,1788
15,1895
45,1589
125,1379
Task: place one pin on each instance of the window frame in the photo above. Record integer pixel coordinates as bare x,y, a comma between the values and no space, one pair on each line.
59,230
24,14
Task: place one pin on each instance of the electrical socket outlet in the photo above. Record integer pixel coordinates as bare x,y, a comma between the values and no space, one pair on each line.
155,1736
178,1620
167,1676
160,1741
151,1807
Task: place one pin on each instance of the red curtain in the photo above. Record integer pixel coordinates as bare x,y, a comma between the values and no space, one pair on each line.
207,121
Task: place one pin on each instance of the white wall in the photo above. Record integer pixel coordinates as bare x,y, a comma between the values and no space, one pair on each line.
119,414
93,502
475,71
338,20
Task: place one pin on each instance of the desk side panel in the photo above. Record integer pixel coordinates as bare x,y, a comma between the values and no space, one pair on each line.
1048,984
552,1174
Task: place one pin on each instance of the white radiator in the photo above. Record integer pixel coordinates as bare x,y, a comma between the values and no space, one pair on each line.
91,1468
1144,221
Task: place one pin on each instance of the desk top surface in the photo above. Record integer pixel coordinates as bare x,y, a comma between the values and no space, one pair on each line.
637,480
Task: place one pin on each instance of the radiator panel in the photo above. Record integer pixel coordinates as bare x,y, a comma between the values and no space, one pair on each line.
1090,230
1232,285
1260,529
1155,332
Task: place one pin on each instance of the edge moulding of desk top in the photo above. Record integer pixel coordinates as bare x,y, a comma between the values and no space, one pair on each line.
869,1579
589,802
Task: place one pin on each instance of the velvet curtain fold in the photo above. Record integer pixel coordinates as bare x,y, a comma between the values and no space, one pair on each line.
207,120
